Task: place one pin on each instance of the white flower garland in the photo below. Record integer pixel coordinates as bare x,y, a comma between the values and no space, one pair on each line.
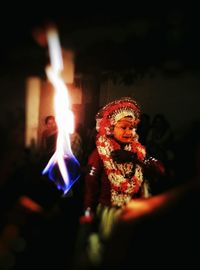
122,186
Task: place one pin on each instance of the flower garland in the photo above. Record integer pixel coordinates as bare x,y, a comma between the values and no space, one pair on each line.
126,178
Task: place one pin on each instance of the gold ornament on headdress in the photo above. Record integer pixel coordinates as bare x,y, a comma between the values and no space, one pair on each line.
114,111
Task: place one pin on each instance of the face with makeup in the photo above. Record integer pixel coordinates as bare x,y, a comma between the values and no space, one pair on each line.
124,130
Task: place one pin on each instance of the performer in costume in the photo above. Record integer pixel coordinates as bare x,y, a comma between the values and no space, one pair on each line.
116,167
115,176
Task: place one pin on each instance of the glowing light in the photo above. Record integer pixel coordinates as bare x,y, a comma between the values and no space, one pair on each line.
142,206
63,157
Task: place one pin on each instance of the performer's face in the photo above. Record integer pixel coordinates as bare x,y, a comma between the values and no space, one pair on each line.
125,130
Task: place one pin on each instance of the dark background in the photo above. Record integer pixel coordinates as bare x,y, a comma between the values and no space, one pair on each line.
118,39
160,33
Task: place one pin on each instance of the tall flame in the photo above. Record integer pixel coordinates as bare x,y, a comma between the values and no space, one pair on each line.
63,156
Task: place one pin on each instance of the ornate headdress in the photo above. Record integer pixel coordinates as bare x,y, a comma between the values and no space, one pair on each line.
108,116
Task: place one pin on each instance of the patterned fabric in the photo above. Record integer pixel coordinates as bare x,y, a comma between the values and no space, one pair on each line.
126,178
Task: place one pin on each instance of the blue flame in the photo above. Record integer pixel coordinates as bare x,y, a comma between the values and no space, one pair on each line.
73,171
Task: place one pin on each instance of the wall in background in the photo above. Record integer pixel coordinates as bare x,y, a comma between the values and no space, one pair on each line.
178,98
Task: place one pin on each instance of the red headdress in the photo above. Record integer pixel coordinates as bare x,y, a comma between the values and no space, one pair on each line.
108,116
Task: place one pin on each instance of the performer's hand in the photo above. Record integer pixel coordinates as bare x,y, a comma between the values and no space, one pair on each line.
122,156
87,217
